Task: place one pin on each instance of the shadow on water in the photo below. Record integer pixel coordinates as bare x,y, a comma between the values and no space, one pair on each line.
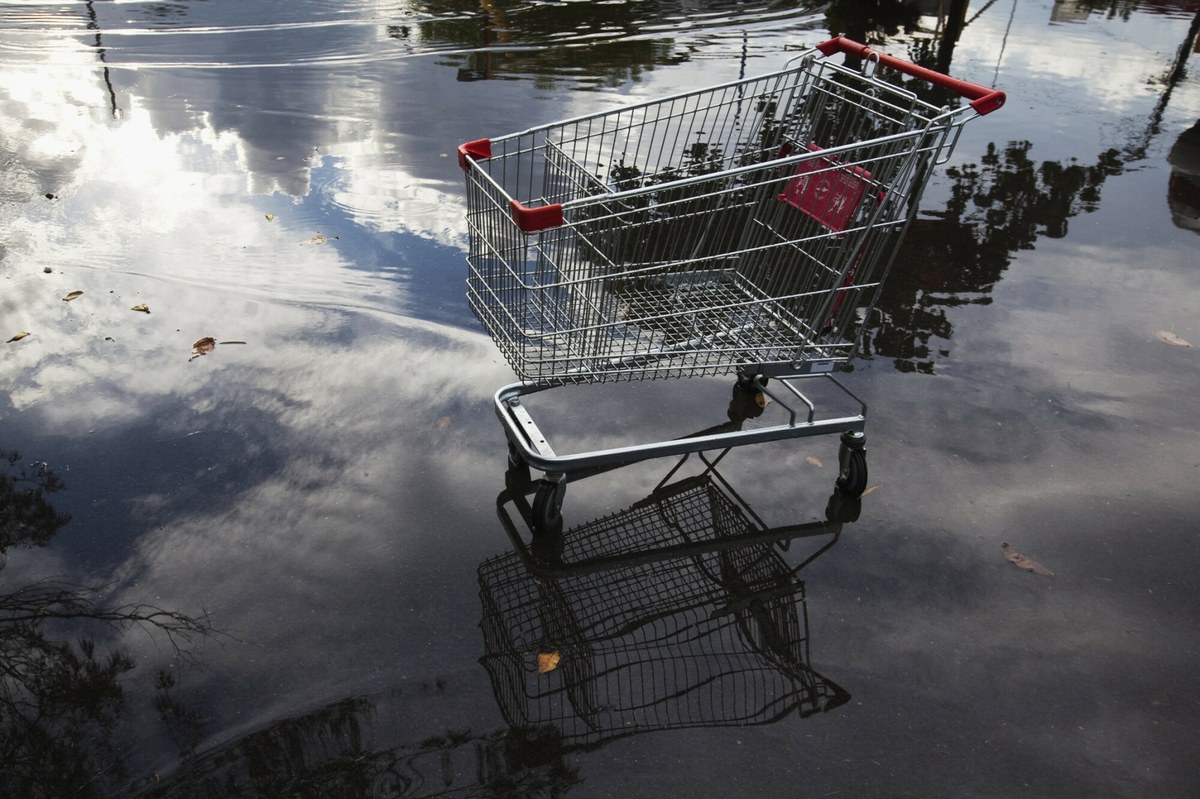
684,610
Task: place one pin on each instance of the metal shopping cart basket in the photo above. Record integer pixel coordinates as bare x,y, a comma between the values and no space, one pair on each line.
744,228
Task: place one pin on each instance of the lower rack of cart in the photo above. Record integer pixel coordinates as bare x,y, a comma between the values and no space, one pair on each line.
529,448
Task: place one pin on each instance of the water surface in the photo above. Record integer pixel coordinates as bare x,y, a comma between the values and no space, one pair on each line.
330,490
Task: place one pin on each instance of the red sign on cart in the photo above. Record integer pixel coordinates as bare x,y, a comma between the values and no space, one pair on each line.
826,192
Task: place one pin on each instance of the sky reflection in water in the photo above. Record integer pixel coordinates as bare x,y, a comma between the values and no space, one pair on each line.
327,490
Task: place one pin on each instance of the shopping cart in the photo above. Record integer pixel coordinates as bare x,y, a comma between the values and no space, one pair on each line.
744,228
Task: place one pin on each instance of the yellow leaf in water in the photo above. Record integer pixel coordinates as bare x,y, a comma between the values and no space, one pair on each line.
1167,337
813,460
73,296
204,346
17,337
141,307
548,661
320,238
1022,562
270,217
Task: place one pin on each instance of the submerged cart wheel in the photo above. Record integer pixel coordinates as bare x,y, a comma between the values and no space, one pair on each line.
852,464
547,507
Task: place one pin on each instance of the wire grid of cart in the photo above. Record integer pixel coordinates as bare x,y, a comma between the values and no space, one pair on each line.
719,637
747,227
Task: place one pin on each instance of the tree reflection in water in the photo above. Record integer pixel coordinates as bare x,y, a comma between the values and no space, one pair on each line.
61,694
955,255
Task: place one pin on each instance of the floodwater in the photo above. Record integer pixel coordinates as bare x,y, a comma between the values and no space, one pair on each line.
325,490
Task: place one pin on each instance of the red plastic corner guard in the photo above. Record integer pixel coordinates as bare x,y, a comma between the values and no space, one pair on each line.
531,220
983,99
480,150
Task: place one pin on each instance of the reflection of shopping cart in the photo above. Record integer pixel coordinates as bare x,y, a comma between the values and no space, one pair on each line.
743,228
679,611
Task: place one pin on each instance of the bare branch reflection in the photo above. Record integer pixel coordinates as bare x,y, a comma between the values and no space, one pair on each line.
62,694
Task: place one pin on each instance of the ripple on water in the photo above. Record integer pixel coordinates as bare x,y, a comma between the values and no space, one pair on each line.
272,34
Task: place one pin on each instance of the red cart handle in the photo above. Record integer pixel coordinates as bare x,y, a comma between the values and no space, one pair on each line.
983,99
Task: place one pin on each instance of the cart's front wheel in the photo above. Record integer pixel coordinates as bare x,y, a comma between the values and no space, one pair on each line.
547,507
852,464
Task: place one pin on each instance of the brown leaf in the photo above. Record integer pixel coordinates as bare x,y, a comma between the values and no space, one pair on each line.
1022,562
74,295
17,337
141,307
204,346
443,422
548,661
319,238
1167,337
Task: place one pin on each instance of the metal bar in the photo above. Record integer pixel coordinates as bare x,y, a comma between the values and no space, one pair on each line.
536,451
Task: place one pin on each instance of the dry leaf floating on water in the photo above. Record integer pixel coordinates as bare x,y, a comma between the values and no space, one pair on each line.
17,337
1023,562
74,295
548,661
320,238
443,422
1167,337
204,346
270,217
141,307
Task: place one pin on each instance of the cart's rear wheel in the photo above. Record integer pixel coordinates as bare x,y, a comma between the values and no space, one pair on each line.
547,507
852,464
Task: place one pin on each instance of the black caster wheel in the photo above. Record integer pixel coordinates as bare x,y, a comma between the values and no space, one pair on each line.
547,507
852,464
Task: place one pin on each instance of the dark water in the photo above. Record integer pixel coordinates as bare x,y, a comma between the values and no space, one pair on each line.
330,493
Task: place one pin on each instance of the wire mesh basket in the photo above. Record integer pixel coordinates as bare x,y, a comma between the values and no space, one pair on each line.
751,223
